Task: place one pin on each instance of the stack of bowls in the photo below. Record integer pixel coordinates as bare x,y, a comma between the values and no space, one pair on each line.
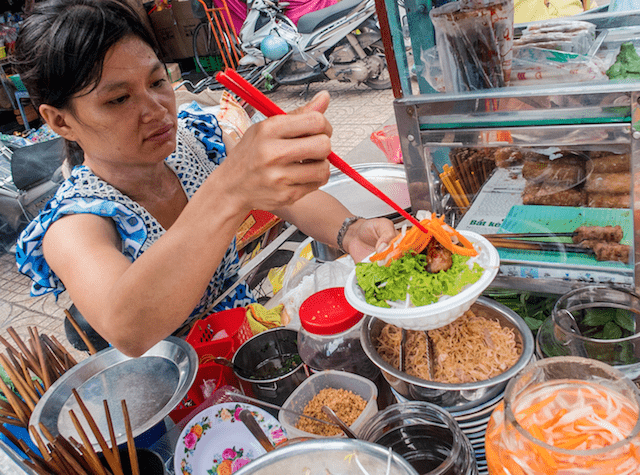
470,404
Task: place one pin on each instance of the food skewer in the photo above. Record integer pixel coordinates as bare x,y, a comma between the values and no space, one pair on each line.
81,332
527,245
133,456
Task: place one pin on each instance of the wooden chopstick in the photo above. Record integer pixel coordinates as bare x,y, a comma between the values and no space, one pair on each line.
247,91
529,235
539,246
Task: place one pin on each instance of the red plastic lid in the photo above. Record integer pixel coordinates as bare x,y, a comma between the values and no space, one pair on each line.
327,312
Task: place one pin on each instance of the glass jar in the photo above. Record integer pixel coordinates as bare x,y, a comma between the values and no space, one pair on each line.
566,415
426,436
595,321
329,335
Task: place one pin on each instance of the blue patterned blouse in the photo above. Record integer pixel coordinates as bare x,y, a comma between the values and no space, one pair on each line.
198,152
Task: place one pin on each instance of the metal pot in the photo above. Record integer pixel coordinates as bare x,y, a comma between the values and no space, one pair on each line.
320,456
454,397
259,363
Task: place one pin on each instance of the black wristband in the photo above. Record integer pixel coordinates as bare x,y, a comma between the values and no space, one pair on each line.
343,230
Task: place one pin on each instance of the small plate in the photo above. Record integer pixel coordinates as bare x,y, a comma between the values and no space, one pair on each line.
216,441
437,314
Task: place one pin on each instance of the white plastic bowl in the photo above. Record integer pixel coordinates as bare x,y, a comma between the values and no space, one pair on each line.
442,312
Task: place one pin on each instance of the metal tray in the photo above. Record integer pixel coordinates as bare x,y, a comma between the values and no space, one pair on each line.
391,179
152,385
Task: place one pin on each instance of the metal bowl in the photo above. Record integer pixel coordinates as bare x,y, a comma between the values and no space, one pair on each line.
321,456
456,397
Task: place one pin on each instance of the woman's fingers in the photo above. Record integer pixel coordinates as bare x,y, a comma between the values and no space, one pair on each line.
319,103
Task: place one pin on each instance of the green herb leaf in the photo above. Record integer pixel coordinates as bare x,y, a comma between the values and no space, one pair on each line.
611,331
597,317
533,323
625,320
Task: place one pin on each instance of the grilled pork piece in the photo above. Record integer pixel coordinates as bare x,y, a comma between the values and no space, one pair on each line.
564,171
612,163
612,251
537,194
598,233
616,183
438,258
605,200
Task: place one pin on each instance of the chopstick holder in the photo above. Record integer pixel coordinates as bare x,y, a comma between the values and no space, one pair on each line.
248,92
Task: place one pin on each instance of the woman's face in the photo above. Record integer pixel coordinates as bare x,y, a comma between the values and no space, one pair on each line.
129,119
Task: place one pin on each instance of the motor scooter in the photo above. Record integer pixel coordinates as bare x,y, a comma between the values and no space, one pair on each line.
340,42
29,177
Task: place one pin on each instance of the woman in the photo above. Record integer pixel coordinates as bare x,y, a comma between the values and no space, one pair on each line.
142,233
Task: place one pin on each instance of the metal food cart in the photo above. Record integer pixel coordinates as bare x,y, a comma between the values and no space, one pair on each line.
463,131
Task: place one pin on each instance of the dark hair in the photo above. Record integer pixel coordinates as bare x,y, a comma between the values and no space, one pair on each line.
61,46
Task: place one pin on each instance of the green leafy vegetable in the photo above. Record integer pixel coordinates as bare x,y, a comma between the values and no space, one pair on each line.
407,275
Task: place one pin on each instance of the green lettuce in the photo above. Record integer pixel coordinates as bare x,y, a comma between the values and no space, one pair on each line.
407,275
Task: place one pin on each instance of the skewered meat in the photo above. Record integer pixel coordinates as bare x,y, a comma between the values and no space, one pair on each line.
598,233
615,183
612,251
438,258
605,200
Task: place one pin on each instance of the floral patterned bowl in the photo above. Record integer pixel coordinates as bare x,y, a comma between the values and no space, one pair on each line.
216,442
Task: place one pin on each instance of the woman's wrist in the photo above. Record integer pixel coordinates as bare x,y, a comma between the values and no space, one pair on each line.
344,229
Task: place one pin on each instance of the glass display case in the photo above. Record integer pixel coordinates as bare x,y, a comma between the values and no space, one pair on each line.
550,161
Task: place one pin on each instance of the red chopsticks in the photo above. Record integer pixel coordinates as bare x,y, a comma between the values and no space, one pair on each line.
247,91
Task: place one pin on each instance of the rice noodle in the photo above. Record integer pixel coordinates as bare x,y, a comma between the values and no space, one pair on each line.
472,348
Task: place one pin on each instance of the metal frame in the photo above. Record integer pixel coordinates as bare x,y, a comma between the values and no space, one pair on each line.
546,115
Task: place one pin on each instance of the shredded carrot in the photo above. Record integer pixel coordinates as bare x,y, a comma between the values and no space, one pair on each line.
415,241
572,415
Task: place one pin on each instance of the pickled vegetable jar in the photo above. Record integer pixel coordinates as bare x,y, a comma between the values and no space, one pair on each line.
566,415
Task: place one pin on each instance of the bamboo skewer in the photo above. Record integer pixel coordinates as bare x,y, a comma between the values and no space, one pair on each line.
112,432
108,455
18,406
83,335
133,456
88,447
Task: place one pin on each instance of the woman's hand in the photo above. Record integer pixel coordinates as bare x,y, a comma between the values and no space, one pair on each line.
366,236
279,160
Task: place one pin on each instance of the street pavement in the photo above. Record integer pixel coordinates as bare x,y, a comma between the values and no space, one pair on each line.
355,112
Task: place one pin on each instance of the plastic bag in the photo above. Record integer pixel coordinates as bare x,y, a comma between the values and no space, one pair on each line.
304,277
568,36
387,139
474,42
533,65
431,69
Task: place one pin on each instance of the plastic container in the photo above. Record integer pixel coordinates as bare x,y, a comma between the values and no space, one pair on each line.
425,435
328,379
233,321
329,337
442,312
222,375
